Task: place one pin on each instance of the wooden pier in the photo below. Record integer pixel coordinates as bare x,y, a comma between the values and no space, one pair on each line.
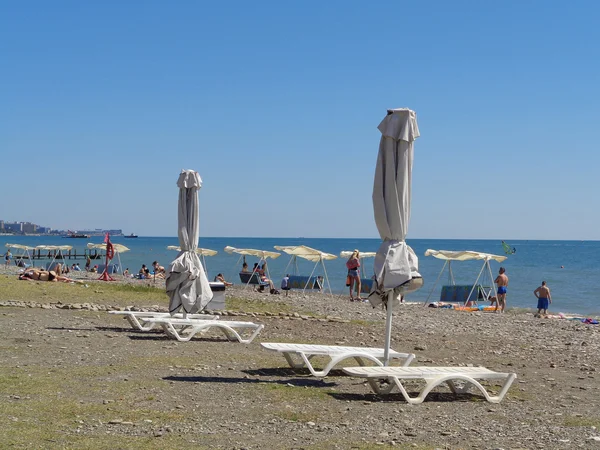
59,254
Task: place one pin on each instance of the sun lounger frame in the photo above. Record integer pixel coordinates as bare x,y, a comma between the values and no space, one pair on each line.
299,355
185,329
433,376
137,319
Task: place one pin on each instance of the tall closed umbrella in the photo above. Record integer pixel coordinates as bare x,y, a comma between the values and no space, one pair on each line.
396,265
186,282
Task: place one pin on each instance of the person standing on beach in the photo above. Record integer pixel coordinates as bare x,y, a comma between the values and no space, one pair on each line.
88,263
7,256
285,284
353,265
502,282
544,299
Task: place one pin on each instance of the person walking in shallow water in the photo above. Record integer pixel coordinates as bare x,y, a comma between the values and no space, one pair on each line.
544,299
502,282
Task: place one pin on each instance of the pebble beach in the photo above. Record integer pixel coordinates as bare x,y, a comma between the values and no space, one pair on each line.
144,382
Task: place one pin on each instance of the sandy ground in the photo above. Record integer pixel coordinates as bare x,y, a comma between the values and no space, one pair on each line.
81,378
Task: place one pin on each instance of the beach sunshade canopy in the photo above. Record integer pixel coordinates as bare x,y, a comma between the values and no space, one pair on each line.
264,254
56,247
348,254
310,254
186,282
396,265
19,246
199,251
463,255
120,248
302,251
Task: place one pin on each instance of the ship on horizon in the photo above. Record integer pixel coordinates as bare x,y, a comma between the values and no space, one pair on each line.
131,236
72,234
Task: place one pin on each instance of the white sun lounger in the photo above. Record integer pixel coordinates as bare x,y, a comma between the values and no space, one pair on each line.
137,319
184,329
305,352
433,377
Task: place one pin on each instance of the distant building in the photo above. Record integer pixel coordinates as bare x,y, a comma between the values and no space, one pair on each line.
13,227
28,227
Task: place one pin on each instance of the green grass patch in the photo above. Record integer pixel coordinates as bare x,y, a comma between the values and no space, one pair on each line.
262,306
297,416
363,323
574,421
44,406
106,293
331,444
291,394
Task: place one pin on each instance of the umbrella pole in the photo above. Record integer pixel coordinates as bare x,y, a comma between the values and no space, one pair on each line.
286,267
309,277
204,266
388,329
236,265
327,278
120,263
476,281
436,282
491,280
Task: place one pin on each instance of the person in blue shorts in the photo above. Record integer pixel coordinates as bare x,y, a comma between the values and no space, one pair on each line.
502,282
544,299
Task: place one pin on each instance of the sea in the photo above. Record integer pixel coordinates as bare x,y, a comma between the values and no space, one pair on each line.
570,268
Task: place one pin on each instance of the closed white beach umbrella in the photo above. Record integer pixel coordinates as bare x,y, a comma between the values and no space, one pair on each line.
186,282
396,265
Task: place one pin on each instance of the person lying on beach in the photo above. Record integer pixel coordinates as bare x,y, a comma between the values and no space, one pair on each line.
221,279
43,275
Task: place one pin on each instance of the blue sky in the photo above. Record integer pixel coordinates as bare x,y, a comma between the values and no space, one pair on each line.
276,105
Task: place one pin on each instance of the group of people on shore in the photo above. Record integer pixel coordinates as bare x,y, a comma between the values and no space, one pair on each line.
158,271
542,293
353,282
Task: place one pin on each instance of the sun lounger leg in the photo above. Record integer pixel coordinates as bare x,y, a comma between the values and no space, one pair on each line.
293,364
253,335
408,360
135,323
434,382
234,335
472,382
498,398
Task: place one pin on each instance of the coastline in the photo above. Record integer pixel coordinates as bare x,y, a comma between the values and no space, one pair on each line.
313,297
